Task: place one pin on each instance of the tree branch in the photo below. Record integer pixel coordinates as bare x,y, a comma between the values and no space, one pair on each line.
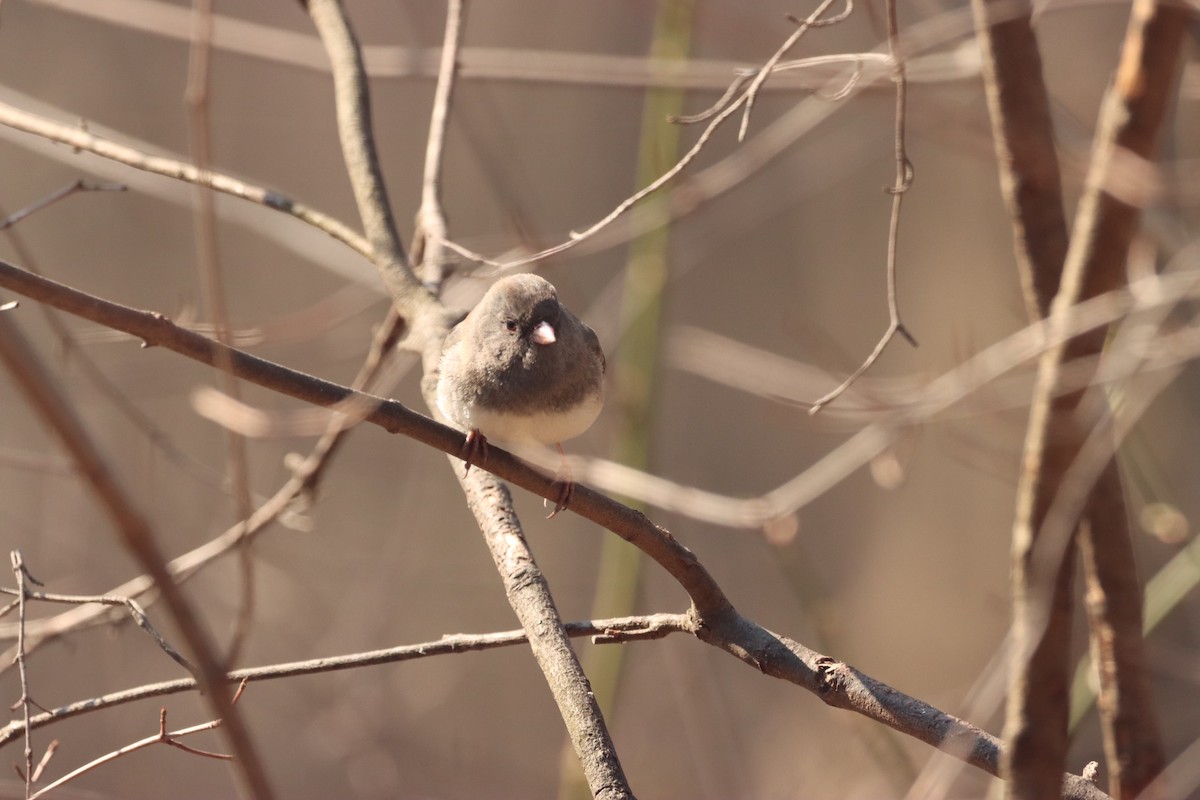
487,498
1131,115
135,533
714,620
81,139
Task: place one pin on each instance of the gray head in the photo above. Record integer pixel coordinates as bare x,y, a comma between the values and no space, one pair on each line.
525,344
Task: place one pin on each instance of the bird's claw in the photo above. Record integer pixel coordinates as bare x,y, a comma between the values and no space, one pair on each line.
566,490
475,450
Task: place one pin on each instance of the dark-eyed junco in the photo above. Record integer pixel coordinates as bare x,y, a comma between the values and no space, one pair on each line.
521,369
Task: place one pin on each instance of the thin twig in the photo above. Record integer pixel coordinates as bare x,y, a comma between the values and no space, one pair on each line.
617,630
163,736
429,242
21,573
836,683
81,139
662,180
802,27
135,611
51,749
79,185
904,176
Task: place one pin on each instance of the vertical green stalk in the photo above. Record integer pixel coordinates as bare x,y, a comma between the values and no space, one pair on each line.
635,366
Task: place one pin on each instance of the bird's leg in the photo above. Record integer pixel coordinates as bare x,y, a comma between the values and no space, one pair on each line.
475,449
566,486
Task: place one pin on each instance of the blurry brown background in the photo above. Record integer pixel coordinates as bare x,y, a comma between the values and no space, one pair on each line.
907,583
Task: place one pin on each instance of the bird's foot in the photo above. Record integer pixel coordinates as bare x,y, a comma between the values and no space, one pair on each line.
566,490
566,487
475,450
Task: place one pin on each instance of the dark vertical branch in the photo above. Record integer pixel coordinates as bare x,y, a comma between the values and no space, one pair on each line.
1130,119
1024,139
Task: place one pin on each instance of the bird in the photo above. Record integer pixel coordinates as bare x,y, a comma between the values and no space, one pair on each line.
521,369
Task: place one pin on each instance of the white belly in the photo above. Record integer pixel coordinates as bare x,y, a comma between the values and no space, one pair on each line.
541,428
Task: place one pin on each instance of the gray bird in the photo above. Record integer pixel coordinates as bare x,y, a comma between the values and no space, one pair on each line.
521,369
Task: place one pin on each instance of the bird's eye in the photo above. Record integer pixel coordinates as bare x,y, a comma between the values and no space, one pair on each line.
511,324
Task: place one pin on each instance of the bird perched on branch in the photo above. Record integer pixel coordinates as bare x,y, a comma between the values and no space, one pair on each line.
521,369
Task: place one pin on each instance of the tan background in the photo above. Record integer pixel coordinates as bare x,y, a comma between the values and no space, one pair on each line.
909,584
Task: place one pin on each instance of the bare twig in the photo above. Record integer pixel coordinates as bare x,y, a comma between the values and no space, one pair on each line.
163,736
358,147
81,139
48,402
617,630
837,684
717,119
52,198
51,749
22,575
802,27
135,611
904,176
429,242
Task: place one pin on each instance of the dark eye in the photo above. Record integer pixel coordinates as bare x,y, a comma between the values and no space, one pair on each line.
511,324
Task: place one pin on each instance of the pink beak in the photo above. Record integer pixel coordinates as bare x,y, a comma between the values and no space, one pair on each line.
543,334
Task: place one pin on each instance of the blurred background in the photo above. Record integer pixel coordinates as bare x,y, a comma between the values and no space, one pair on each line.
900,570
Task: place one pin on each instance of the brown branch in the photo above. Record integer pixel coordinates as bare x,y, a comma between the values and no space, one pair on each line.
135,533
1030,182
714,619
1024,137
353,103
80,138
803,26
1131,115
618,630
837,684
